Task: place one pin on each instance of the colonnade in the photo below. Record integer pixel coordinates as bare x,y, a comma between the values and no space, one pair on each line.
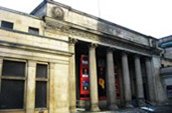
111,97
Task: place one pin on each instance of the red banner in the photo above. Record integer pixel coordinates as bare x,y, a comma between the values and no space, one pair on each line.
84,78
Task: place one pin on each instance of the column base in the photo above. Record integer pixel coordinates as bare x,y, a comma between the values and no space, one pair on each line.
150,102
95,107
128,105
113,107
72,109
141,102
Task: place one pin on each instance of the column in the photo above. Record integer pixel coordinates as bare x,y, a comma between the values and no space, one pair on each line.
126,77
150,79
72,77
30,98
93,78
139,81
111,89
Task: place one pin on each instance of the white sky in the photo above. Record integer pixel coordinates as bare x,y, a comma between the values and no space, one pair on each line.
150,17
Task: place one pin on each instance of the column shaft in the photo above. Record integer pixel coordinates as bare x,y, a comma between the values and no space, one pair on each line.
139,80
93,79
30,98
126,77
150,79
111,89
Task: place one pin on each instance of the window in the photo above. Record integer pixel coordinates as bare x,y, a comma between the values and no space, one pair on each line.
33,30
41,85
169,91
5,24
12,84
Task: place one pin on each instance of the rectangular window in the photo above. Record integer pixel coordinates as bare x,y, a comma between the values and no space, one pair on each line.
5,24
33,30
41,94
41,85
13,68
12,84
41,71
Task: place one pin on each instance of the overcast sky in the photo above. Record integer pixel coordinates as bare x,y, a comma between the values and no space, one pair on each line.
150,17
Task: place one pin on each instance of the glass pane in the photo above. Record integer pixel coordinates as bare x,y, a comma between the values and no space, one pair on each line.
41,71
13,68
12,94
33,30
5,24
41,94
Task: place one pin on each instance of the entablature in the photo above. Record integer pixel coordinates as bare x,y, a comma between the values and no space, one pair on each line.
88,35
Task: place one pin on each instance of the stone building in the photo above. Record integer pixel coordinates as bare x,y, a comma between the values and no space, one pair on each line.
166,65
57,59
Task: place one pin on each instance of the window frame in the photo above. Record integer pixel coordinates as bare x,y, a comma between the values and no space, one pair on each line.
47,85
7,22
33,29
24,79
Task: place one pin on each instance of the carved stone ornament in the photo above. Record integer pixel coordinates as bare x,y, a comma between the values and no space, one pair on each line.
57,12
72,40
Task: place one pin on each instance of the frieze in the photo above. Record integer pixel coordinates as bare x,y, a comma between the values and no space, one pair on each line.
116,31
57,26
83,34
88,35
109,41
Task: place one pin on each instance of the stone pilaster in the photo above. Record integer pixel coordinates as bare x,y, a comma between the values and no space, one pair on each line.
139,81
126,77
158,88
111,89
51,76
72,77
30,98
93,78
61,88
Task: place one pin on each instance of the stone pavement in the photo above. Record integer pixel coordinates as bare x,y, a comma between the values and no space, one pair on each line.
131,110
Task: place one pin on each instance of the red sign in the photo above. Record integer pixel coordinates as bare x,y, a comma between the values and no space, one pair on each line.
84,78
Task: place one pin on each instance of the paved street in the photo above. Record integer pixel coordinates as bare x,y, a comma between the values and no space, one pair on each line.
133,110
163,108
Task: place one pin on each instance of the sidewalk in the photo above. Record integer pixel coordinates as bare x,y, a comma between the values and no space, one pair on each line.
131,110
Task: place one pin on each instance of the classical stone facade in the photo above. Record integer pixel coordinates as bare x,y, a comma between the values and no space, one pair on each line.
42,70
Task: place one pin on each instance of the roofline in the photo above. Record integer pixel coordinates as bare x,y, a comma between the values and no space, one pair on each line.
20,13
97,18
38,7
166,37
74,10
88,15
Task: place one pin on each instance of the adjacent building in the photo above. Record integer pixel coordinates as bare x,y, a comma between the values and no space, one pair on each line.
58,59
166,61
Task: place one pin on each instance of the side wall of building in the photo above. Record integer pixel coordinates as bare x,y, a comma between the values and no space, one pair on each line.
20,46
160,94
